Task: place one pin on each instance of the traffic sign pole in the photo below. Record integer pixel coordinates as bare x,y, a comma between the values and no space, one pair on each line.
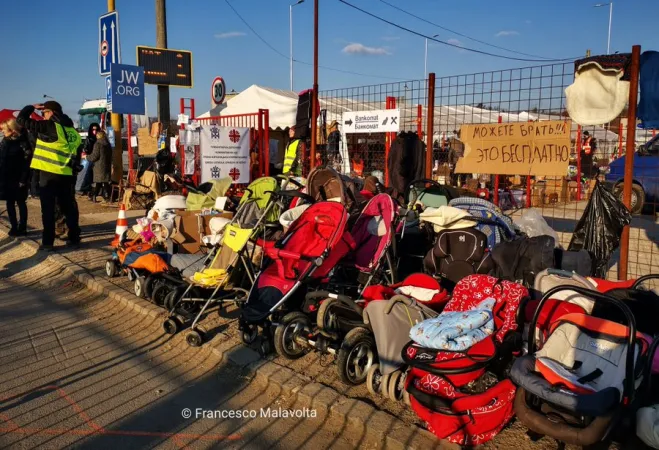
117,154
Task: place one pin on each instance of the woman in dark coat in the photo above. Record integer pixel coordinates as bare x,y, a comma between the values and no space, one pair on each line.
102,158
88,149
15,156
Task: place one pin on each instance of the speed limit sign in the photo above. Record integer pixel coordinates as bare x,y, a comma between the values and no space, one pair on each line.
218,90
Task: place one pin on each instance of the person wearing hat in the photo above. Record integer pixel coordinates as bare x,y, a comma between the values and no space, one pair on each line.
55,158
294,154
588,149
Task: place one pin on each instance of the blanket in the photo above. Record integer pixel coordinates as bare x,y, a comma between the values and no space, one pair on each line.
456,331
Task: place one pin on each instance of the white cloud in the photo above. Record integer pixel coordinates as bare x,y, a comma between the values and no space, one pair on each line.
506,33
390,38
361,49
455,42
230,34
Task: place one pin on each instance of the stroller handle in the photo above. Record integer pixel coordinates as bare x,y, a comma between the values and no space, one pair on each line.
643,279
597,296
290,180
294,194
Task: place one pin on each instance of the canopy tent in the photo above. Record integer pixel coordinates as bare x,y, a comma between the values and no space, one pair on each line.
281,104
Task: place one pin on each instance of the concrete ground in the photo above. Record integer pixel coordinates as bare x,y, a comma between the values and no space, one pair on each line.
78,368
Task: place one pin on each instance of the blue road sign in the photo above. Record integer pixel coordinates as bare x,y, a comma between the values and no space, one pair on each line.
108,92
109,50
127,89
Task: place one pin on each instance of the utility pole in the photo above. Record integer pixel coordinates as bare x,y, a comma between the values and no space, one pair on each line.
161,42
314,97
115,121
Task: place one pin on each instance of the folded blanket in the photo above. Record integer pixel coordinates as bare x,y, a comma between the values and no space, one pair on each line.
456,331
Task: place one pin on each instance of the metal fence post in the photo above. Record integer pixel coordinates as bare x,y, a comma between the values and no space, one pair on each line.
419,120
629,158
389,138
266,138
431,119
578,150
496,178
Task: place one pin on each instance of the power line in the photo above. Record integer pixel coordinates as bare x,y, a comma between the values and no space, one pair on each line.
460,34
448,43
304,62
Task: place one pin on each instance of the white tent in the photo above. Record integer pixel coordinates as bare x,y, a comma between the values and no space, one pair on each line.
281,104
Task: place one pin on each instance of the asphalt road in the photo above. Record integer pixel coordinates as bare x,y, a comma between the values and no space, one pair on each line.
78,370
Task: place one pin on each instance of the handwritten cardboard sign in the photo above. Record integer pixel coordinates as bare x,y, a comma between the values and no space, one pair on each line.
523,148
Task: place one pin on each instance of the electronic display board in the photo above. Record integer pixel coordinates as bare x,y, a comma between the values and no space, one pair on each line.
165,67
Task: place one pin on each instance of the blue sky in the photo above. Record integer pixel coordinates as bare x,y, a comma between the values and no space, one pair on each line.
51,47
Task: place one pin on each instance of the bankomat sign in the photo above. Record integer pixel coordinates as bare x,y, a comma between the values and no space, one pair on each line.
127,89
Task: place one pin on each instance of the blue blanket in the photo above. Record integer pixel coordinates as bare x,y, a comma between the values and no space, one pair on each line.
456,331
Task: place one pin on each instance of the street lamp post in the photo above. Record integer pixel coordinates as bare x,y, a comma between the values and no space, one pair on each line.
425,70
290,21
608,42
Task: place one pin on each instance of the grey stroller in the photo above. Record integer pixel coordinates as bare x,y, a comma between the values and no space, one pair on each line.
391,321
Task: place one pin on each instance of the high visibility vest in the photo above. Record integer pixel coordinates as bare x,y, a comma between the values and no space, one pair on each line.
56,157
586,146
291,156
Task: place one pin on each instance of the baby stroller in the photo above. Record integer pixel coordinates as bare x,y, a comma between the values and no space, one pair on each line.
456,381
304,256
326,184
413,238
232,262
390,314
339,328
496,226
583,379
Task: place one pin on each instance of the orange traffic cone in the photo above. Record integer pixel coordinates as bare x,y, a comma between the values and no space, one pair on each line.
122,226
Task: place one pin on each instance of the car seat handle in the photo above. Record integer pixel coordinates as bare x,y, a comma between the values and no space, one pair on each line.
399,298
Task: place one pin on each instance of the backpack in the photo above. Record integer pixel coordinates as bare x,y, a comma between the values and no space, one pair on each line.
522,259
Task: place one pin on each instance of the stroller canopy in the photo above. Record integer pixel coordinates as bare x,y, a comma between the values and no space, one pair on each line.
326,184
373,232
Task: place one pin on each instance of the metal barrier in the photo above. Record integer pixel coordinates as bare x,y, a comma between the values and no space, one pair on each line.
437,107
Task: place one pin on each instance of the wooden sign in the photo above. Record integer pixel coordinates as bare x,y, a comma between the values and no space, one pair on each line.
522,148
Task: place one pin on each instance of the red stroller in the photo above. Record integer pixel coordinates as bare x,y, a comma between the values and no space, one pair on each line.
459,393
339,328
304,256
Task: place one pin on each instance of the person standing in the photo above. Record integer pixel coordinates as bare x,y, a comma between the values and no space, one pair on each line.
101,158
588,149
88,174
15,155
334,146
55,157
294,155
455,152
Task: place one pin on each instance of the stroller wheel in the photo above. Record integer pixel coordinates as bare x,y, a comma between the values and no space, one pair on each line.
171,326
172,297
357,354
396,386
374,380
111,268
265,348
149,285
159,294
138,287
326,318
194,338
249,334
292,326
406,398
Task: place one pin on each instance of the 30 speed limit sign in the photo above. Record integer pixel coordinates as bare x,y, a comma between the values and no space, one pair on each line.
218,90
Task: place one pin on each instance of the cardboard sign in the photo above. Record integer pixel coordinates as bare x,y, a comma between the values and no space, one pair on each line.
523,148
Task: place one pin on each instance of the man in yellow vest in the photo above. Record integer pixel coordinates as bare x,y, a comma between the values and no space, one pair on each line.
55,158
294,155
587,152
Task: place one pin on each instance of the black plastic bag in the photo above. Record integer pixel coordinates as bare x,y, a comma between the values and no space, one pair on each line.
600,228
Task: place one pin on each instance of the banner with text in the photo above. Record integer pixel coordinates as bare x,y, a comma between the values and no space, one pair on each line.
224,153
523,148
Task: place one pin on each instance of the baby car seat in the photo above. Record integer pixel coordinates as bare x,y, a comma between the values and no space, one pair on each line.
458,254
